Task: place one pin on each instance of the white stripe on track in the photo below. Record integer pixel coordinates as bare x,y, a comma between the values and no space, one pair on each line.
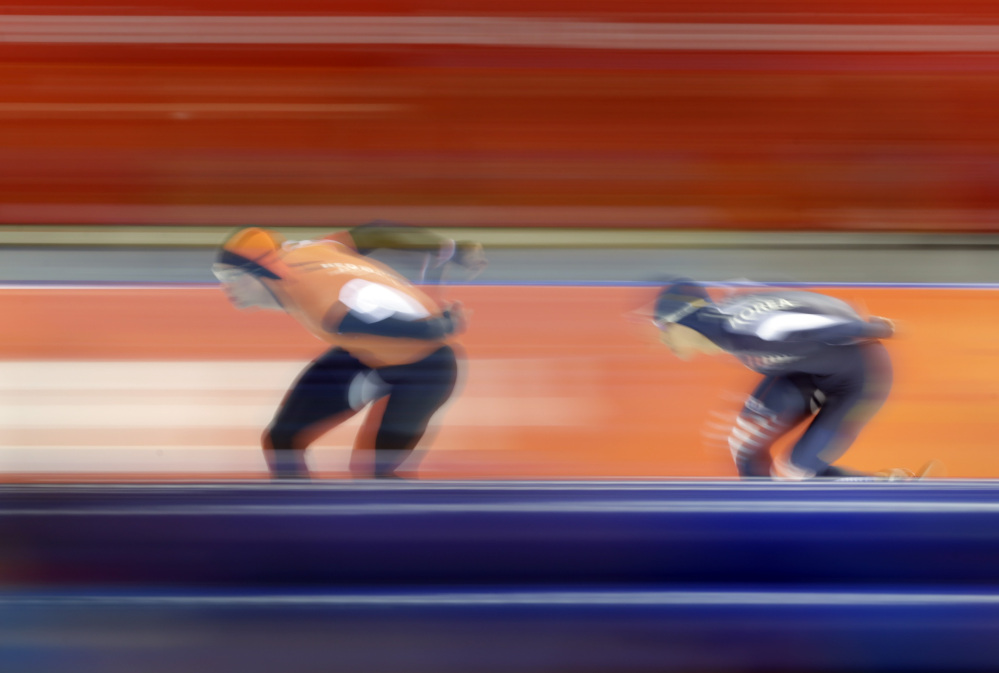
156,460
158,395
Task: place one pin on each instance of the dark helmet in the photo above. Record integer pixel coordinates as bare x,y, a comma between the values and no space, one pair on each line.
681,298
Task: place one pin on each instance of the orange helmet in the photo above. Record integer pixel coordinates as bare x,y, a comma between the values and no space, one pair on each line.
252,250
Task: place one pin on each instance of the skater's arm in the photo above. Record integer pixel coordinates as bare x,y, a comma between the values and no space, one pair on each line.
429,329
832,330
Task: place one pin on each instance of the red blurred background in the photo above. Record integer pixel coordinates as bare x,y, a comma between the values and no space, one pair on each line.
714,114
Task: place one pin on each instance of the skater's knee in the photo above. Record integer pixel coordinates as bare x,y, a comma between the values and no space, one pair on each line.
397,439
281,438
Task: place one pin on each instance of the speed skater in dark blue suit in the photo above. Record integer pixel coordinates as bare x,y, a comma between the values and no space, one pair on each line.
819,358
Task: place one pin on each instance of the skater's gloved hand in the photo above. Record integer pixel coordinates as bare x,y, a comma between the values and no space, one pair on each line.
884,327
458,317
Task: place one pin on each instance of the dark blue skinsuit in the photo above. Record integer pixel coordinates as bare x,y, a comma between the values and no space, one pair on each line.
818,357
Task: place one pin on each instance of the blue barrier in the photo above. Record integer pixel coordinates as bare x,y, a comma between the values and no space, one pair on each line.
431,533
433,577
499,631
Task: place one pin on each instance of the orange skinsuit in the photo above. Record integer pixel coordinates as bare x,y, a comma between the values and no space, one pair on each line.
432,250
314,275
322,284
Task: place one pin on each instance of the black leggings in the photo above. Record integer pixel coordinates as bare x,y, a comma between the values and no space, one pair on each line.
336,385
840,405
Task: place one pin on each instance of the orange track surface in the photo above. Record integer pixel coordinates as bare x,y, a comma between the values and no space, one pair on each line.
627,407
